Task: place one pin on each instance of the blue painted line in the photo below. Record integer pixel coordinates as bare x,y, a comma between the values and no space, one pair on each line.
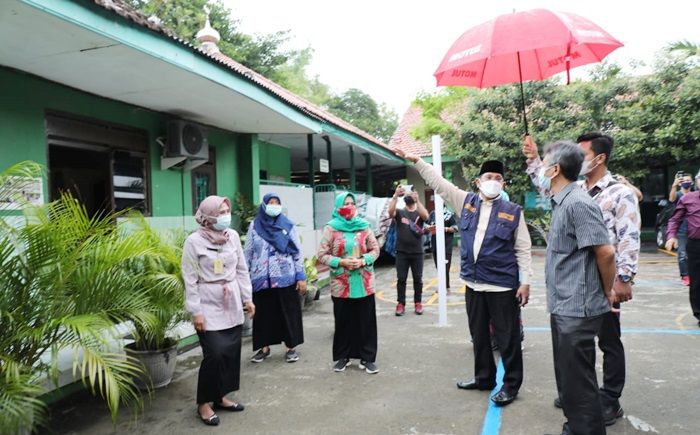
492,419
631,330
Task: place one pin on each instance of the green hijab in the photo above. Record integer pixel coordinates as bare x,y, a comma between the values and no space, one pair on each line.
339,223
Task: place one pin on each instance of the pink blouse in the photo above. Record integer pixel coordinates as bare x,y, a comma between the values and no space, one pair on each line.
218,293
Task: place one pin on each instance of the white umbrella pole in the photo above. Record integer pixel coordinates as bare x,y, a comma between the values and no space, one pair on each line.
440,239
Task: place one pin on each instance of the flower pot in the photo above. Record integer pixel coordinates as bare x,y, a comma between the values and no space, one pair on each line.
158,365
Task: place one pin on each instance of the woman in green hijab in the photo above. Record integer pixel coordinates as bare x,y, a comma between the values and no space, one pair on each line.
349,248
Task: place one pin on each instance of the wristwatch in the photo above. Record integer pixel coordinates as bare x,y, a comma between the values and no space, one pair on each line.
624,278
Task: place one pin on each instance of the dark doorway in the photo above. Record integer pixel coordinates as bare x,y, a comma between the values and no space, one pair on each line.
84,174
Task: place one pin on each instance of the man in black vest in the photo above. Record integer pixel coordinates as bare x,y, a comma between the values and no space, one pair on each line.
495,265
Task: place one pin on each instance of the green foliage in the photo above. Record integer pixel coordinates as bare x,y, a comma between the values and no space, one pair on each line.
654,119
359,109
64,285
310,269
160,283
244,211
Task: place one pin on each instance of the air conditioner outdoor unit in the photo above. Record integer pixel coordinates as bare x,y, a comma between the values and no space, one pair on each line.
186,142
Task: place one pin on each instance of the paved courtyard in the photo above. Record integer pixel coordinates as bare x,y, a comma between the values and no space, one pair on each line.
415,392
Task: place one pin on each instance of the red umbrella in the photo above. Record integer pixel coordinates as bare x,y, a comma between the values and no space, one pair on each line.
528,45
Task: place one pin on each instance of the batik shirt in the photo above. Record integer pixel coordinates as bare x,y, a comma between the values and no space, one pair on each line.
620,213
270,268
337,245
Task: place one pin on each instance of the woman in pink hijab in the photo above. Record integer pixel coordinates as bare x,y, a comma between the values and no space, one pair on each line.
217,287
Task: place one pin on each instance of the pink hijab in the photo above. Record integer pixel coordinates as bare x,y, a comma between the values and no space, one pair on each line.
206,216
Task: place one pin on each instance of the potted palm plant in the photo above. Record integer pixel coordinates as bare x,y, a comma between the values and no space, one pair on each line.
63,288
160,284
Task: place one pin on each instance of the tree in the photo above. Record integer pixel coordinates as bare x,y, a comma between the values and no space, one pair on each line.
654,119
359,109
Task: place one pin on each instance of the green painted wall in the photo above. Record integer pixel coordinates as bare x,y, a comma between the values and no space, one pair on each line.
249,166
276,160
24,98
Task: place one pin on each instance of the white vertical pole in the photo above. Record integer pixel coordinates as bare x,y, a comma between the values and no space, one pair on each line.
440,239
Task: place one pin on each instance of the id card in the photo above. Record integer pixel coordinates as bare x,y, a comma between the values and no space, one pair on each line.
218,266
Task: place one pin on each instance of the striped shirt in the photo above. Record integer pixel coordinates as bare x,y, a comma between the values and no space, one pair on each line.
574,287
620,212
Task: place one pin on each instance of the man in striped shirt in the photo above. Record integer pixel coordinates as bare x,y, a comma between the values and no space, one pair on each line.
620,209
579,274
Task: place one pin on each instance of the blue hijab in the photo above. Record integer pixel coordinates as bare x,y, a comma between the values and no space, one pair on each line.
275,230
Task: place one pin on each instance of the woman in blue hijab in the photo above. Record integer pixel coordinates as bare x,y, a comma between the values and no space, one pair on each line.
273,253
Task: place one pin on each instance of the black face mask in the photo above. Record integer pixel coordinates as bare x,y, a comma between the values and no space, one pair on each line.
409,201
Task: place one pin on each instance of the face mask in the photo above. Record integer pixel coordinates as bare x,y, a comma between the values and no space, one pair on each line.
347,211
273,210
491,188
545,181
587,166
686,184
222,222
409,200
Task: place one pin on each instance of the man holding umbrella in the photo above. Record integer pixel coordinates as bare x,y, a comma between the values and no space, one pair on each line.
621,215
495,265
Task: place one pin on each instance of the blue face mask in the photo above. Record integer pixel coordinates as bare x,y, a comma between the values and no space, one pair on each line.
273,210
544,181
222,222
686,184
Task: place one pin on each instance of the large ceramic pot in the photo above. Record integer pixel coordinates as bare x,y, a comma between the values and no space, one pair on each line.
159,365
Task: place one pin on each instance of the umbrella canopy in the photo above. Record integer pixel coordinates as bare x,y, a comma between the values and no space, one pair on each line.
528,45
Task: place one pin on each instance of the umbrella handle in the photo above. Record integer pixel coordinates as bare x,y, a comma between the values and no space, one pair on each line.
522,96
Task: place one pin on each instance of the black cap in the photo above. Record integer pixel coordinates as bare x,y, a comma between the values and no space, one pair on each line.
492,166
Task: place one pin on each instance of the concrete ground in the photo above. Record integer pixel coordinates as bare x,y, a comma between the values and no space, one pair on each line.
415,392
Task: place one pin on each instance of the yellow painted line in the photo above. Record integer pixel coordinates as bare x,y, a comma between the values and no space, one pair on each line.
432,299
674,254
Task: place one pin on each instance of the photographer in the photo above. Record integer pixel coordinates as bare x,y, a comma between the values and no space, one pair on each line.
409,246
682,184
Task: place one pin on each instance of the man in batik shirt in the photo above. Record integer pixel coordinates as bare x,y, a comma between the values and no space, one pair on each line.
621,215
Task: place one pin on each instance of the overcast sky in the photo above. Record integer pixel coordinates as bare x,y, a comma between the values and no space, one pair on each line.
390,49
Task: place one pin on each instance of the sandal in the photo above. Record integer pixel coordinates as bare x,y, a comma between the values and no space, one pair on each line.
236,407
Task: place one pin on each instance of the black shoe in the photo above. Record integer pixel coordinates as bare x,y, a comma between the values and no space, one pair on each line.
291,356
612,413
503,398
341,365
236,407
211,421
472,385
369,367
557,403
260,356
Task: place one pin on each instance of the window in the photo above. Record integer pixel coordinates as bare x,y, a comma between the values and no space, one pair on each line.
204,180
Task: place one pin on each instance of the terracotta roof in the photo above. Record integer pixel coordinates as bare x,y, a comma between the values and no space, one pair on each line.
403,139
124,10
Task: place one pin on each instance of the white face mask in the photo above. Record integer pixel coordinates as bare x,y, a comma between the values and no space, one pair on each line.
587,166
544,181
273,210
491,188
222,222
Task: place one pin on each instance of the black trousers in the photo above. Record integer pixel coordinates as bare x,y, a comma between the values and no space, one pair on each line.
405,261
448,264
503,310
220,371
610,343
693,251
355,328
277,318
573,343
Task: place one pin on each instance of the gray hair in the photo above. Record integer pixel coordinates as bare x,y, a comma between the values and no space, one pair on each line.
567,155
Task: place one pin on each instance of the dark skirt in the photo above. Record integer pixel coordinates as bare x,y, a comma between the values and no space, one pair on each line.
355,328
277,318
220,371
